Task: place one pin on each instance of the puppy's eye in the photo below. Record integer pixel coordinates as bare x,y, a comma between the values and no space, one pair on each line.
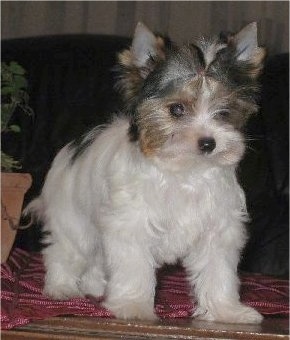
176,109
223,113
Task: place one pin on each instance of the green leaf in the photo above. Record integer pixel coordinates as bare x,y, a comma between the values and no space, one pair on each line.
8,163
20,82
14,94
6,112
7,90
16,68
14,128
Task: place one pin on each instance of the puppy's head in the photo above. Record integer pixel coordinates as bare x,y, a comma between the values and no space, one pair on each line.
188,104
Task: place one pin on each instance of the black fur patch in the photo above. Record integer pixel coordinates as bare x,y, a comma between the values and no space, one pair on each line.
180,65
200,56
133,131
234,74
81,144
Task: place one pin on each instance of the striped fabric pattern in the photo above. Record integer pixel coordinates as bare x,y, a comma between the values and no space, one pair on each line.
22,300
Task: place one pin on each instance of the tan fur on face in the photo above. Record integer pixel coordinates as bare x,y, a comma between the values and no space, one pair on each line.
155,126
131,80
202,99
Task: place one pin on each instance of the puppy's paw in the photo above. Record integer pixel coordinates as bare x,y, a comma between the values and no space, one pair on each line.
131,310
62,291
94,288
230,314
93,282
246,314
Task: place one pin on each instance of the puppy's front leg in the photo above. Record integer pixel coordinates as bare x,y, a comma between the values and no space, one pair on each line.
131,280
213,276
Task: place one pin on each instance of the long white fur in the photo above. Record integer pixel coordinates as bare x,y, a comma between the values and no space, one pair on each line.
114,217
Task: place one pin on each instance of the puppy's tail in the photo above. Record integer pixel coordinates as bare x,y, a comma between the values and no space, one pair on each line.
35,211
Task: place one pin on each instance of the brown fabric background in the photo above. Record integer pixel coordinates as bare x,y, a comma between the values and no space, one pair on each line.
181,20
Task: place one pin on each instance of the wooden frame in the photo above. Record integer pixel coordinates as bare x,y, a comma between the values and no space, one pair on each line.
80,328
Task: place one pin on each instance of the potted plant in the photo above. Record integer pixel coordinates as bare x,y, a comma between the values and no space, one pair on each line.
14,185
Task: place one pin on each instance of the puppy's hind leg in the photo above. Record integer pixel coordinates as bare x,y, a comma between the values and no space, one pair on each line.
66,256
63,270
93,280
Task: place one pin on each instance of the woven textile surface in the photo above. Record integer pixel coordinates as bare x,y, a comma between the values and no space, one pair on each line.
22,299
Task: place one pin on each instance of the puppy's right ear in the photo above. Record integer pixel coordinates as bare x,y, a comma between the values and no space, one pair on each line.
145,46
137,62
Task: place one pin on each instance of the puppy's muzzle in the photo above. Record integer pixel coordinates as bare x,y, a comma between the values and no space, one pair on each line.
206,144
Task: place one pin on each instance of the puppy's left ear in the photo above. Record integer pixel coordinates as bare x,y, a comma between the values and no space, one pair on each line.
138,61
247,49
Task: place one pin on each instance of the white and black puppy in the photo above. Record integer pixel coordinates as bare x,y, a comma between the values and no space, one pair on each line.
158,184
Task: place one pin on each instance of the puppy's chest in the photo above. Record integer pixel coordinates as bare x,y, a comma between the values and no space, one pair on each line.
180,212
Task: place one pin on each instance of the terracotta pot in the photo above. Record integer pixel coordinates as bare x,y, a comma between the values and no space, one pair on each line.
13,188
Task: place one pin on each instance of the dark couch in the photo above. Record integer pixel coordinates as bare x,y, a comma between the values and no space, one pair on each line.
71,89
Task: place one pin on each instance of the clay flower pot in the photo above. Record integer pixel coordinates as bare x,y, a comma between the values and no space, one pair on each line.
13,188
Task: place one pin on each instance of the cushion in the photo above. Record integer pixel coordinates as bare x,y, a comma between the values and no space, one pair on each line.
22,300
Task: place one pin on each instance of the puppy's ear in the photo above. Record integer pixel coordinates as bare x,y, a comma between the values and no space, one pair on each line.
245,43
137,62
145,46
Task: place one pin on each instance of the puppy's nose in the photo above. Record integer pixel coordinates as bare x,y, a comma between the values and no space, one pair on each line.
206,144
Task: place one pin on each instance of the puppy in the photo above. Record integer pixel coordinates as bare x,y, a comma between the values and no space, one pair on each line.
158,184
